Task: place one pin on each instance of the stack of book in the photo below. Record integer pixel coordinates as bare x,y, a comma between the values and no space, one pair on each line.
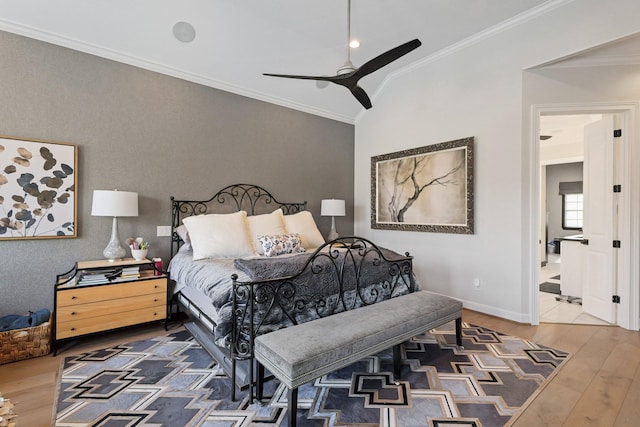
98,277
127,273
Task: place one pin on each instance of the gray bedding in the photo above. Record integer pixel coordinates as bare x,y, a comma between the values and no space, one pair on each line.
317,291
211,277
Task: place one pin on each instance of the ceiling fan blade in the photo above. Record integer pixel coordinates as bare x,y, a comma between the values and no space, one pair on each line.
361,96
386,58
292,76
340,79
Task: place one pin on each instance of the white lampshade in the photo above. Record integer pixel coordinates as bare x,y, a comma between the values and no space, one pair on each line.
332,207
114,203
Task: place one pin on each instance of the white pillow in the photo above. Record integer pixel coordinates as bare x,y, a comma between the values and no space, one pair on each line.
219,235
303,224
267,224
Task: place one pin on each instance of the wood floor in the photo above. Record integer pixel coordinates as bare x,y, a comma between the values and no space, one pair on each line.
599,385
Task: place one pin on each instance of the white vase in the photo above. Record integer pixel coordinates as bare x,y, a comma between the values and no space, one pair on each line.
139,254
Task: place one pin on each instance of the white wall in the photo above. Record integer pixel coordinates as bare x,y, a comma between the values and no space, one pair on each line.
478,91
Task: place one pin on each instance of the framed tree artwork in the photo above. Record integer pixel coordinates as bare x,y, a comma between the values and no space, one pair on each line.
38,182
424,189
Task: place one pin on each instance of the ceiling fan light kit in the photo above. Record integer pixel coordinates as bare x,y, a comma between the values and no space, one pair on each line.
348,75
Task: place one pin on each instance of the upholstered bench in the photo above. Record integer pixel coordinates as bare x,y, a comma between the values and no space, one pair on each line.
302,353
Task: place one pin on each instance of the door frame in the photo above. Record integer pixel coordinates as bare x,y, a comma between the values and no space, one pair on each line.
628,286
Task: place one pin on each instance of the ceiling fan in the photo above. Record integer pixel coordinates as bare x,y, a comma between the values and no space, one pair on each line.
348,75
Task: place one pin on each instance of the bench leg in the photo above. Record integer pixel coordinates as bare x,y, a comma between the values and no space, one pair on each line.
260,381
233,380
397,355
252,379
293,406
459,333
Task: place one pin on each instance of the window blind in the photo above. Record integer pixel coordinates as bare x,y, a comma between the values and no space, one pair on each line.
574,187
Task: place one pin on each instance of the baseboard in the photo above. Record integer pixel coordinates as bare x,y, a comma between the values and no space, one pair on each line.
498,312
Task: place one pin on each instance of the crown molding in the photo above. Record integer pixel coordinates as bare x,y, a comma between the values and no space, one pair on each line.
102,52
512,22
595,61
114,55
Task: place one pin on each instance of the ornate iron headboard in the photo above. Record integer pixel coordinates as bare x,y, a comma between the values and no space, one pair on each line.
251,198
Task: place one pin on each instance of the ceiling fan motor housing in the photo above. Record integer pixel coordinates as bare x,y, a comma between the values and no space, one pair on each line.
348,67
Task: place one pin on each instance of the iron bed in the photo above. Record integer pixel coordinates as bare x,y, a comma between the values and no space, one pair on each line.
268,294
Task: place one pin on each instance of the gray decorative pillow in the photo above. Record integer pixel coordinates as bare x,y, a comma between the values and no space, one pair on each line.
280,244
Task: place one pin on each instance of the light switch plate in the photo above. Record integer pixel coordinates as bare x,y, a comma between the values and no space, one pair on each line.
164,231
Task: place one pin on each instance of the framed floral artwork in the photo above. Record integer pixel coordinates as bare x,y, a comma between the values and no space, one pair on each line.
424,189
38,181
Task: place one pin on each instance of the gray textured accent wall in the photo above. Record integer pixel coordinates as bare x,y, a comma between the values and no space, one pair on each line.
137,130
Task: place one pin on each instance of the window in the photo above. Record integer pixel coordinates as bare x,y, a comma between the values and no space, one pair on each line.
572,211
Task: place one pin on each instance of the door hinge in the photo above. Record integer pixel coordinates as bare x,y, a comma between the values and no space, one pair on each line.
616,243
616,299
617,188
617,133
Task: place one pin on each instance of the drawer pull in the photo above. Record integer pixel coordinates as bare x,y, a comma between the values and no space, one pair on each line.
155,286
73,297
155,300
73,313
73,329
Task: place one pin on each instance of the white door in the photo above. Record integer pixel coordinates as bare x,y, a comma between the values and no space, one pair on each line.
599,220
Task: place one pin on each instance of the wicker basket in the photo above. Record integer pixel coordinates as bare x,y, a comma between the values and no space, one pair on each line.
20,344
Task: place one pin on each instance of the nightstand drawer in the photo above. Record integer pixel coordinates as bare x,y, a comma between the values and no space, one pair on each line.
109,292
113,307
103,323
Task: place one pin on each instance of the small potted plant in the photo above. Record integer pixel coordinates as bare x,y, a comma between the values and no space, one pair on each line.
139,248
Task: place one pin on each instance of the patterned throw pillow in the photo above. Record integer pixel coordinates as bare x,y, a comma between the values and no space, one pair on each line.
280,244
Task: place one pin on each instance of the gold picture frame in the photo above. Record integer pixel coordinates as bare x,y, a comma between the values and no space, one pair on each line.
38,182
424,189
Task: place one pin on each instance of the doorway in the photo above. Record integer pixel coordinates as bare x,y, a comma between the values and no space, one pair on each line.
627,277
562,152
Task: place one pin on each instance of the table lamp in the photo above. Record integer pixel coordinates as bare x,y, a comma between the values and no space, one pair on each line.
332,208
114,203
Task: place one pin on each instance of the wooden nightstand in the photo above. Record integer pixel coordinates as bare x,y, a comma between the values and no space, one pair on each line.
97,296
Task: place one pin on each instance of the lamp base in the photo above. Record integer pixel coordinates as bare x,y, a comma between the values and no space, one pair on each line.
114,250
333,234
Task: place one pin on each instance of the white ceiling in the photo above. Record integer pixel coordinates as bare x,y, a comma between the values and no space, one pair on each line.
238,40
565,129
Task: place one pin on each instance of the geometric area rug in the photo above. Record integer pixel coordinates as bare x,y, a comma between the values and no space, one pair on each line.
172,381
